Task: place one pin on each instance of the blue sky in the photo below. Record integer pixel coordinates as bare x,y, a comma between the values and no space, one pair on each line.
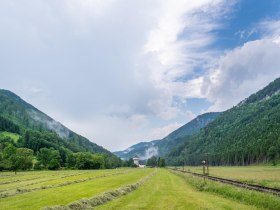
121,72
244,17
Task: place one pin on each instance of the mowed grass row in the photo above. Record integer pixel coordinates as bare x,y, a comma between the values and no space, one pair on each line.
167,190
59,179
29,175
268,176
70,193
40,177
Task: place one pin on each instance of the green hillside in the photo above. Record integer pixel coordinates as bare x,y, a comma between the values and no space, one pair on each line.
13,136
25,129
245,134
177,137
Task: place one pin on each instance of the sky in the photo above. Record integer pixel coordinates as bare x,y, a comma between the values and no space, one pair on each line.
119,71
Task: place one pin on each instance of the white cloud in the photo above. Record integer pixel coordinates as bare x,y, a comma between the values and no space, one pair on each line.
108,67
160,133
176,47
241,72
150,152
238,72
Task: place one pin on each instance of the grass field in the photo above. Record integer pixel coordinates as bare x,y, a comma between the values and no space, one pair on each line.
61,187
13,136
163,190
168,191
263,175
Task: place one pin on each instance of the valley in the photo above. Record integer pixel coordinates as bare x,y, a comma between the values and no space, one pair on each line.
42,168
139,105
159,189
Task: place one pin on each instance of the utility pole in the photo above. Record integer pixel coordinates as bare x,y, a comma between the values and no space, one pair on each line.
203,165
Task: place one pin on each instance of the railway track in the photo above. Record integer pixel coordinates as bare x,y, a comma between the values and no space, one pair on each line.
235,183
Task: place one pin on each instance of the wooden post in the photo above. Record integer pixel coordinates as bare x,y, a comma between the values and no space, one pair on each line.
207,164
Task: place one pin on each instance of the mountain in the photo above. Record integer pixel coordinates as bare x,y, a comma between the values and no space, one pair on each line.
144,150
26,117
189,129
160,147
245,134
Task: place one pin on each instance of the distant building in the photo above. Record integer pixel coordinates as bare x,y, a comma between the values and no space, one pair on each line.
136,160
142,166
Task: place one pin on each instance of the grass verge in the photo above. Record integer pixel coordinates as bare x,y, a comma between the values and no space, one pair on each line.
258,199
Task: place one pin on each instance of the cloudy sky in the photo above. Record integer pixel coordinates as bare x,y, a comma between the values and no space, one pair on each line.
121,71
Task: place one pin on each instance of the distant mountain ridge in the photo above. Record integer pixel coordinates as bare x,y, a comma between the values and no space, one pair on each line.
160,147
193,126
189,129
140,149
13,108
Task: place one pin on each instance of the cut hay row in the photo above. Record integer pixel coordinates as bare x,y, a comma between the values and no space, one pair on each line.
88,203
7,188
16,180
21,191
28,175
40,177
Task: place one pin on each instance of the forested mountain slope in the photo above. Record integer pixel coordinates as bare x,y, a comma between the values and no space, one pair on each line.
14,109
177,137
245,134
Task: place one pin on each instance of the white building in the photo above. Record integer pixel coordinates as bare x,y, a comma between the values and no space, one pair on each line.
136,160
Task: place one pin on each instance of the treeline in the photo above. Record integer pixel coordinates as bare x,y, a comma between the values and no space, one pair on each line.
13,157
156,162
151,162
46,150
249,133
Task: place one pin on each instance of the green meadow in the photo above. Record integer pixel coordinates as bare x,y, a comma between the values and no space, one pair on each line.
268,176
159,189
13,136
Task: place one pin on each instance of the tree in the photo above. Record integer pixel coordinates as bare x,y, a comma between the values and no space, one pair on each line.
84,160
272,154
22,159
128,163
46,156
9,151
6,161
70,160
161,162
98,162
17,158
152,161
54,164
